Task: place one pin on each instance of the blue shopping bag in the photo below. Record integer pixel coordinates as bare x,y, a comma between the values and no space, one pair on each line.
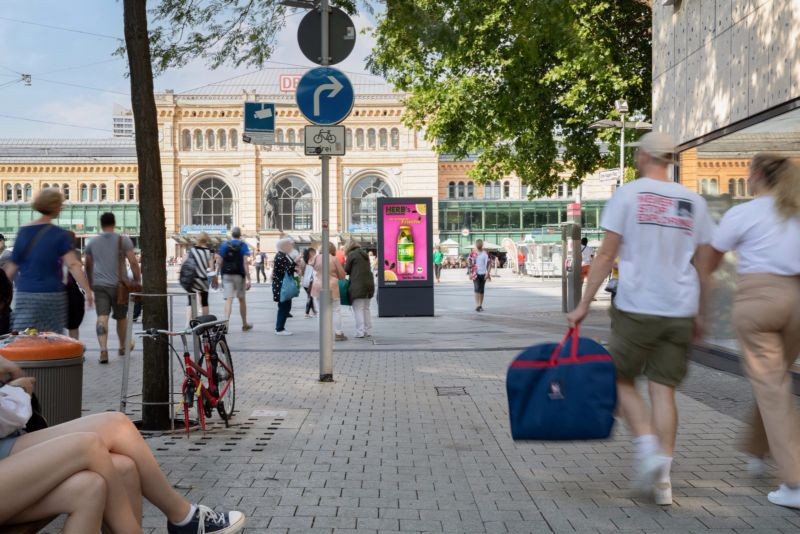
564,391
289,288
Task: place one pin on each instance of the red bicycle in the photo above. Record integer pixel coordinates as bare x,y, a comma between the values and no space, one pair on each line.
209,379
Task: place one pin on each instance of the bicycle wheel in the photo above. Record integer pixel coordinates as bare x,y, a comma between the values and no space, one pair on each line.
225,379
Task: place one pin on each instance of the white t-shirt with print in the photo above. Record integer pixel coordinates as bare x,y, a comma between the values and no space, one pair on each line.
586,255
763,240
661,224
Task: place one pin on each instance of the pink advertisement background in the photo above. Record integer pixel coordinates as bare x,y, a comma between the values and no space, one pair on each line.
391,226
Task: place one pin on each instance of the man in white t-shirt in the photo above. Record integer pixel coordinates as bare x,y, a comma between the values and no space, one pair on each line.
587,253
656,227
480,274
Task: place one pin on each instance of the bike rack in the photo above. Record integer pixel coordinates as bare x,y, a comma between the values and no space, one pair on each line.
123,395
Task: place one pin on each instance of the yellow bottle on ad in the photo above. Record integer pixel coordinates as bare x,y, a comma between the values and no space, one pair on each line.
405,251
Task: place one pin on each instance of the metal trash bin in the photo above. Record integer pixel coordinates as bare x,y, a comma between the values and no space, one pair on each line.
56,362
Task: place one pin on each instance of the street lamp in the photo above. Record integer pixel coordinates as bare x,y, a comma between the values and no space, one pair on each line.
622,108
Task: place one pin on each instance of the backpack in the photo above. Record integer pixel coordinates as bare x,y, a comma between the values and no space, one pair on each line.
232,259
188,273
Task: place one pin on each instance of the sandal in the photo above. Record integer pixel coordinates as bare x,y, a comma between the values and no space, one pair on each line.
103,356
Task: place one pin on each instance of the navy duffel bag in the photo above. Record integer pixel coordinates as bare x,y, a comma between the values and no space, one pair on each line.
562,392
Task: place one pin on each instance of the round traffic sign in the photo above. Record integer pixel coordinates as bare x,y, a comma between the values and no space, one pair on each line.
325,96
342,36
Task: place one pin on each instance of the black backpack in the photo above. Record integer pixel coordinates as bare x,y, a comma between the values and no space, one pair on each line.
188,273
232,259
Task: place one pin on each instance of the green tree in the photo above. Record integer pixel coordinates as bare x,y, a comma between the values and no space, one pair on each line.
517,82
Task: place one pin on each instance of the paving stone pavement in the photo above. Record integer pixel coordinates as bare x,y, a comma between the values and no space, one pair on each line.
379,450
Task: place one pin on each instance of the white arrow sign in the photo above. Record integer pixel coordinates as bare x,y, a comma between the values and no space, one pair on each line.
334,87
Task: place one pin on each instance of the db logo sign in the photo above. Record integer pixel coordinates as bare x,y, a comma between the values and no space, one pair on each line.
288,82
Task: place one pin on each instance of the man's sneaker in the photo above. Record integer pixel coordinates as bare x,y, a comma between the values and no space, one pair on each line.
246,327
283,333
207,521
647,468
341,337
785,496
662,493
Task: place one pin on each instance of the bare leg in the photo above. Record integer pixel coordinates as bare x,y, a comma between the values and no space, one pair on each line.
665,415
243,310
82,497
122,325
75,333
71,452
130,477
228,308
634,408
102,331
121,437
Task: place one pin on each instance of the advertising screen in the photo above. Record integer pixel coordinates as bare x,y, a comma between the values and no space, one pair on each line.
405,245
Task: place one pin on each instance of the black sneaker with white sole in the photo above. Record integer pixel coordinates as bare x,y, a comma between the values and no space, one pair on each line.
207,521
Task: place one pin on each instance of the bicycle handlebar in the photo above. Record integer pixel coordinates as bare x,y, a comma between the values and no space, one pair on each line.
154,332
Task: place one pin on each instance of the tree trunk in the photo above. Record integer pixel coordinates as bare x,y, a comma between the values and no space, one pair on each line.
151,213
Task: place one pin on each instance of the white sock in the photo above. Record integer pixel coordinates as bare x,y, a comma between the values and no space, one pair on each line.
663,475
646,445
189,517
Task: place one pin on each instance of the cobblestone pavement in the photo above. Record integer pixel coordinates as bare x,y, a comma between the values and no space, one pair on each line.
382,450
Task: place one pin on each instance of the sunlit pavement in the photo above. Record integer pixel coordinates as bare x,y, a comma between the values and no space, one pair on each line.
383,450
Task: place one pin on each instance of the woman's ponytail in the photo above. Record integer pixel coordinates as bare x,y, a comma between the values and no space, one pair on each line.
782,178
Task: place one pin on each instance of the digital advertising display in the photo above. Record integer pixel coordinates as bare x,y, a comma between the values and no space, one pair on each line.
405,242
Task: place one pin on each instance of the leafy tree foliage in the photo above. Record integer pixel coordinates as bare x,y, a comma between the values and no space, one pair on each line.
517,81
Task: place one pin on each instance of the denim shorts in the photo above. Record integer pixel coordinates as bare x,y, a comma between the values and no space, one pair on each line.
6,444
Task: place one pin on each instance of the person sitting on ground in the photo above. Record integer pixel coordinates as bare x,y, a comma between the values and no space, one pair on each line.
95,469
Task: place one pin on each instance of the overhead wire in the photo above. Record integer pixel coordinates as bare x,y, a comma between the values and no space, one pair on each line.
82,126
99,89
61,28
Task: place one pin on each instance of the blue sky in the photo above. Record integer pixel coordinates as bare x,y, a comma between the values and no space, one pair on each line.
51,56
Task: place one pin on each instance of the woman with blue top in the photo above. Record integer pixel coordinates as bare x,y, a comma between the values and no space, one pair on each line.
36,262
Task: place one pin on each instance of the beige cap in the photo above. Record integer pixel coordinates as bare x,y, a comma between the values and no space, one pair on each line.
658,145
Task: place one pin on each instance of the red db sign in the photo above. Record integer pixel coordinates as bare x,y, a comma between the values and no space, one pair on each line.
288,82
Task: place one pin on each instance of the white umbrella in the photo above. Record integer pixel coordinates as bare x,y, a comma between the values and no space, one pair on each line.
448,243
491,246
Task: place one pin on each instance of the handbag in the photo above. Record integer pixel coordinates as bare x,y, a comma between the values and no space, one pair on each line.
344,292
37,420
289,288
124,286
564,391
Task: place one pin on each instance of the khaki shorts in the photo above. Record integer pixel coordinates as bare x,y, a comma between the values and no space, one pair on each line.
105,300
234,286
650,345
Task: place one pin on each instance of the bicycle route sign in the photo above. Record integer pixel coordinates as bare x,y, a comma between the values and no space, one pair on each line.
325,96
324,140
259,123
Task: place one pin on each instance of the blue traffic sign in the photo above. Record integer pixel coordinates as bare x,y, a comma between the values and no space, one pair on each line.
259,118
325,96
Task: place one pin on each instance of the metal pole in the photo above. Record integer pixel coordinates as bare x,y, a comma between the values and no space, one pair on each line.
326,310
622,154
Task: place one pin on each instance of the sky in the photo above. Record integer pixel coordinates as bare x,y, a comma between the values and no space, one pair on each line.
60,61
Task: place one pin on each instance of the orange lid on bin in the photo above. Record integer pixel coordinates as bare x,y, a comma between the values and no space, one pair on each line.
39,347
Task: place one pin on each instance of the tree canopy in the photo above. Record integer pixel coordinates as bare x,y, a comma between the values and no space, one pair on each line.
517,82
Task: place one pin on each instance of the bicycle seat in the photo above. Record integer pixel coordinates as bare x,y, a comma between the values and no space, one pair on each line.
202,319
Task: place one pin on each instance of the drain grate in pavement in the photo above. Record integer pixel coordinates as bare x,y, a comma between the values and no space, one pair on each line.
450,391
245,435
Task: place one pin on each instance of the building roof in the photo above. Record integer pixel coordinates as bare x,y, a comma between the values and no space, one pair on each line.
52,150
266,82
746,145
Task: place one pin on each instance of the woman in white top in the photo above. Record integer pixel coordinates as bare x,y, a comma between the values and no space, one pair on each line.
765,234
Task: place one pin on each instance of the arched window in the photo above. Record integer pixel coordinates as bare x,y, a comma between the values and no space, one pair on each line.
211,141
470,189
451,190
371,138
279,138
740,187
383,139
46,186
131,192
395,135
291,137
289,205
121,192
212,202
732,187
222,139
713,187
364,202
348,138
103,192
359,138
704,186
9,192
186,140
506,189
65,191
569,190
198,140
233,138
461,190
84,193
28,192
94,193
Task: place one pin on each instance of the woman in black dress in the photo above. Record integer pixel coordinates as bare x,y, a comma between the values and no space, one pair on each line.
76,303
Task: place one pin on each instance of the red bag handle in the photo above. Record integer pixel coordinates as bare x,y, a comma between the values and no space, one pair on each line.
573,353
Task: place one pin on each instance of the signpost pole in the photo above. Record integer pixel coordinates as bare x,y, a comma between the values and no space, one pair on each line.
326,310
